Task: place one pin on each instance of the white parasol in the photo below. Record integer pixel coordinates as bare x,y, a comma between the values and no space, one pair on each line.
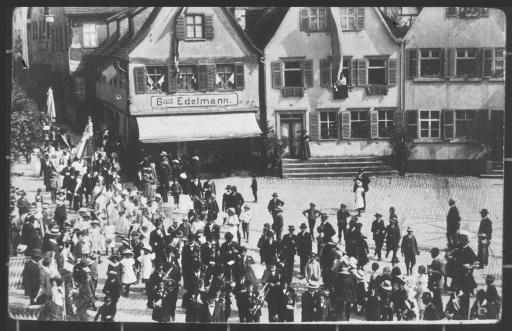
50,105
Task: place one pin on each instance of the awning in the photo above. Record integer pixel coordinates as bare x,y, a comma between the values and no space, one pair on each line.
197,127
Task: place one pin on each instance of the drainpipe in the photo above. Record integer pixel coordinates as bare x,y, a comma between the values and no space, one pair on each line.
402,76
262,100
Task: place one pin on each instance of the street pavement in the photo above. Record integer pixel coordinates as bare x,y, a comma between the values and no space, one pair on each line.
420,200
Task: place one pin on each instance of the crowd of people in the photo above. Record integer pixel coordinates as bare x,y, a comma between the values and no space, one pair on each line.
201,256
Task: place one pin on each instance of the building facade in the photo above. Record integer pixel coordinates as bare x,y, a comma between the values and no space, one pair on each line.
454,87
300,69
180,79
20,43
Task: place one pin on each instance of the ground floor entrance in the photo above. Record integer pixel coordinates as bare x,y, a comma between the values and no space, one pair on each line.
291,128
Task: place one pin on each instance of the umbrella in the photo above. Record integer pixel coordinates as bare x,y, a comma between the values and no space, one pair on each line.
50,104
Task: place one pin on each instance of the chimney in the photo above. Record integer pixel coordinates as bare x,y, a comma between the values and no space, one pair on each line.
240,16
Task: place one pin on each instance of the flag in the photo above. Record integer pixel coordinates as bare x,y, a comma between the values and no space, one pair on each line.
50,105
160,81
150,82
232,78
109,73
336,42
218,79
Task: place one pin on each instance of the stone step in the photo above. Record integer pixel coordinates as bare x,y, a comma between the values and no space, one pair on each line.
349,164
497,171
330,168
334,159
492,176
390,173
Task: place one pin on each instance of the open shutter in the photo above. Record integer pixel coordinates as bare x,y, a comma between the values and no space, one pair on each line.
180,27
353,72
345,124
172,84
314,125
202,77
139,75
374,124
308,73
452,61
239,76
399,119
441,64
361,72
304,20
211,77
208,27
412,63
325,73
360,18
487,62
479,62
392,70
448,124
277,76
411,120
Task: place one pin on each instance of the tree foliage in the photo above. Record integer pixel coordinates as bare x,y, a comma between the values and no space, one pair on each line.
26,123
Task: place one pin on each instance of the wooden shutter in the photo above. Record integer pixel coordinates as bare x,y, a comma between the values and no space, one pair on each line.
441,63
172,84
392,71
139,79
360,18
211,77
239,76
411,119
479,62
314,125
325,73
451,57
448,118
208,27
399,120
361,72
180,27
277,75
374,124
353,72
308,73
487,58
451,11
304,20
345,124
202,77
412,63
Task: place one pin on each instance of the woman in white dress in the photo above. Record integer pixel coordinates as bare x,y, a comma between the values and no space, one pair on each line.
97,239
233,224
359,197
35,161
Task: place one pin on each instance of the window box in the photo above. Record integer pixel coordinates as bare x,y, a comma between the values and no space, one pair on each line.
376,90
293,91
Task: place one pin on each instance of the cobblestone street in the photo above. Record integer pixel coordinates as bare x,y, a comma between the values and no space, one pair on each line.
420,201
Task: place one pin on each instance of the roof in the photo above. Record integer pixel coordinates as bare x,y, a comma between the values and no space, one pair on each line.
262,23
107,48
400,25
81,11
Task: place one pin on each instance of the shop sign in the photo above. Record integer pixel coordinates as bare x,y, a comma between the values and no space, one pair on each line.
194,100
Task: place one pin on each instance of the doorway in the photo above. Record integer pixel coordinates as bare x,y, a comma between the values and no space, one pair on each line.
291,126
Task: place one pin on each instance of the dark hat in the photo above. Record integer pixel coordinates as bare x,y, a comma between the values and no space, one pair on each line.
343,205
85,262
378,215
274,194
451,200
228,236
324,216
228,187
270,233
312,204
266,225
303,226
36,252
484,211
491,278
291,227
435,251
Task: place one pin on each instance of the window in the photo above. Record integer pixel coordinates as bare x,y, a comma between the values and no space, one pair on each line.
359,124
430,124
314,19
194,26
465,122
377,72
348,18
385,122
80,88
494,62
156,80
187,78
293,74
90,35
46,11
466,62
430,62
225,78
328,125
346,70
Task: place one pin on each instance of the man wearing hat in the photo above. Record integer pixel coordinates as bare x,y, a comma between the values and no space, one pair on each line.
158,240
436,276
310,302
452,223
288,250
378,229
311,214
227,199
484,239
274,279
275,209
325,230
344,293
23,204
493,298
163,172
432,312
304,248
31,273
409,250
342,216
238,200
60,213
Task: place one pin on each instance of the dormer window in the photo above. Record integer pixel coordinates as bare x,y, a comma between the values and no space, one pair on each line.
194,26
313,19
90,35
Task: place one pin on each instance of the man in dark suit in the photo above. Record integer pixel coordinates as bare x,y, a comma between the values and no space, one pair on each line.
275,209
378,229
484,238
274,279
158,241
288,250
311,214
227,199
310,302
365,180
431,312
31,274
88,183
344,293
304,248
238,200
164,176
342,217
211,231
452,223
409,250
353,238
325,229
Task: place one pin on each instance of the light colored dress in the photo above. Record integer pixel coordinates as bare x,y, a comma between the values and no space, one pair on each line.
421,287
127,272
35,162
146,264
97,239
232,225
359,196
110,236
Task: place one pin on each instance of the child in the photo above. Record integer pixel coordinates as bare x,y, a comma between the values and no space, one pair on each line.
373,305
112,287
254,313
97,239
110,238
421,287
146,263
313,268
399,297
480,307
115,266
86,244
128,276
254,188
374,277
493,299
245,218
94,272
289,300
362,259
107,311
